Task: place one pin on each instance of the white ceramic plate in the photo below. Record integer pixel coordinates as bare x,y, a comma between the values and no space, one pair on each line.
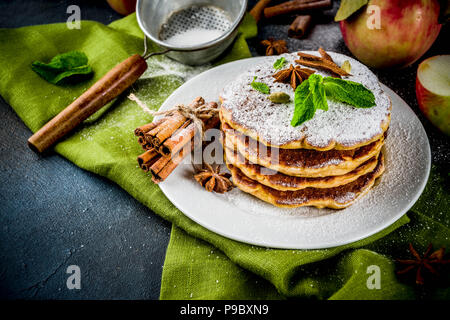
239,216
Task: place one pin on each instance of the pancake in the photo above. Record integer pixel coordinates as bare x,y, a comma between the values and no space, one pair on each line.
342,127
336,198
300,162
282,182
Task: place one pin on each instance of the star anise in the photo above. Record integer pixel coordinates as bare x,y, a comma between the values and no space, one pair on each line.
294,76
427,262
274,47
212,180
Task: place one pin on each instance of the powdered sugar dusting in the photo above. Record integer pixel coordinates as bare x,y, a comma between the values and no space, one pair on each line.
193,37
342,123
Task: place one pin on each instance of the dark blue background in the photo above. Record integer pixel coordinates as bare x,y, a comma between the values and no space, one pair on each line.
53,214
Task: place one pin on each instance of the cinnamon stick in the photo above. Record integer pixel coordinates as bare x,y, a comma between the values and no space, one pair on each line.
148,138
258,9
300,26
325,55
167,128
324,65
148,127
166,170
180,138
296,6
144,144
147,159
324,62
307,56
160,133
158,165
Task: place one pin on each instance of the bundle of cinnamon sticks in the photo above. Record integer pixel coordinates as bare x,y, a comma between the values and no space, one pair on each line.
169,140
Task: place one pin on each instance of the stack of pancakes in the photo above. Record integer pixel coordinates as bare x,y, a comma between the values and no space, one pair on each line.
329,161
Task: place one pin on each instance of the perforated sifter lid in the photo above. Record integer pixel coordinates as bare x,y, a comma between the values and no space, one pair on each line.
212,20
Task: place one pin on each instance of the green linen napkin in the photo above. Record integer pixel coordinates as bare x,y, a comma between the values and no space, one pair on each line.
199,263
194,269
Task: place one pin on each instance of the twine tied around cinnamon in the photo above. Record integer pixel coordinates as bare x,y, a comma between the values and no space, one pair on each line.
195,112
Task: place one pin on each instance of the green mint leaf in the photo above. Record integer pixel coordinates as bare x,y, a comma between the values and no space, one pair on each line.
317,88
304,105
349,7
73,65
349,92
261,87
279,63
312,94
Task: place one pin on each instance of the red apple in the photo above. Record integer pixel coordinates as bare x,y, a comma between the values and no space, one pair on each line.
124,7
406,31
433,91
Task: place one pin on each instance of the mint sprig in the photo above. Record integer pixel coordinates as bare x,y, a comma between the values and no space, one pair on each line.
279,63
261,87
63,66
312,94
